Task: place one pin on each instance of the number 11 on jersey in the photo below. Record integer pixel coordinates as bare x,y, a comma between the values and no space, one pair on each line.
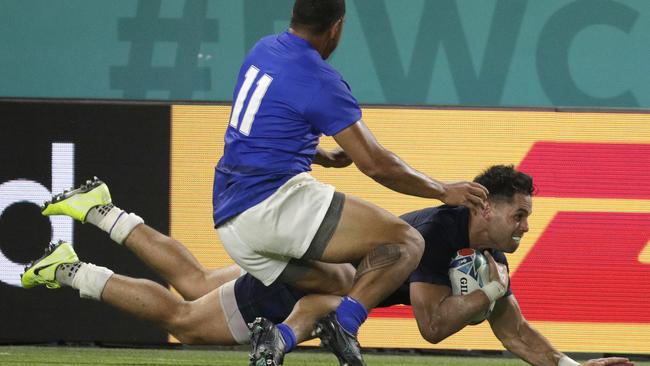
261,87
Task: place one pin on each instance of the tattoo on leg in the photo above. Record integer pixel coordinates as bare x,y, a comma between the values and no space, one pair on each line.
380,257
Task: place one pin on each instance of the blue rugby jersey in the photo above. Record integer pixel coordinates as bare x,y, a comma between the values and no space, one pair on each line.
286,96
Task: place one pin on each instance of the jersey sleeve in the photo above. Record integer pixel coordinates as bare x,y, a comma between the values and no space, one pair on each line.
333,108
427,275
434,264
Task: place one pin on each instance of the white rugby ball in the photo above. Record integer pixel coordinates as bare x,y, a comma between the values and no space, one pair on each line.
468,272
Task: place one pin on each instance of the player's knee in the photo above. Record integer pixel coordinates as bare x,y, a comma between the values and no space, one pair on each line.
413,246
198,283
406,251
179,323
178,316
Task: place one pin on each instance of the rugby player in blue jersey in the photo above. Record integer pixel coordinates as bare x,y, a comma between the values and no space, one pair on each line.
217,305
280,224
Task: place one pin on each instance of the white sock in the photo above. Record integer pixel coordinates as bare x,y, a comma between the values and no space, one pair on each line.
123,226
88,278
98,213
113,220
66,272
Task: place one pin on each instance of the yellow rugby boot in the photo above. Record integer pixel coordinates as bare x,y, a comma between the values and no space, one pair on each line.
43,270
77,202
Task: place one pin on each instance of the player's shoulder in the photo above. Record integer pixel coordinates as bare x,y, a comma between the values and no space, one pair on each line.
444,215
296,59
419,217
319,73
268,39
262,46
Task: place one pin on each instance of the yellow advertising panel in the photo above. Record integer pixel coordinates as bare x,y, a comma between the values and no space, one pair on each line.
582,273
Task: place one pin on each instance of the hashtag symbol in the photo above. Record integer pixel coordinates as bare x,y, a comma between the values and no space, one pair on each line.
147,28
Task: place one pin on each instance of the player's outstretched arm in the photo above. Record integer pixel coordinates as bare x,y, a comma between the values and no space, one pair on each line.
389,170
519,337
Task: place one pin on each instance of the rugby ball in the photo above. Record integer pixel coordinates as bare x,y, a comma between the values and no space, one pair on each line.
468,272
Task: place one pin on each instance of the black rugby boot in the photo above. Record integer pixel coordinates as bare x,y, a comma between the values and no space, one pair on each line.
336,339
267,344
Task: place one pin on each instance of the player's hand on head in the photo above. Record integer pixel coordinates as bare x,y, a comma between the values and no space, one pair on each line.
469,194
498,271
609,361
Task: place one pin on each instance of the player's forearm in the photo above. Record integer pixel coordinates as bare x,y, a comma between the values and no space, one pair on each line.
393,173
532,347
452,315
534,357
321,158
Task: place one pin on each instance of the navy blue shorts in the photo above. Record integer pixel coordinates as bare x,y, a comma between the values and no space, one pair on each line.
274,302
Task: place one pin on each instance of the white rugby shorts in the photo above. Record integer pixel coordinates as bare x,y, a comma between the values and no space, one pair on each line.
264,238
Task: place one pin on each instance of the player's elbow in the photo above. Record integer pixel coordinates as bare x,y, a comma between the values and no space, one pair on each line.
370,169
377,169
378,165
434,332
434,336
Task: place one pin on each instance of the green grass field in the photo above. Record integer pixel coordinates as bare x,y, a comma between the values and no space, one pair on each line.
51,355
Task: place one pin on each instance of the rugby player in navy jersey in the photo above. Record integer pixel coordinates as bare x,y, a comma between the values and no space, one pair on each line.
279,223
217,305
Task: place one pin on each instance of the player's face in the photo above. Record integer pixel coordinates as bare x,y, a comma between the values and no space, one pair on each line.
509,222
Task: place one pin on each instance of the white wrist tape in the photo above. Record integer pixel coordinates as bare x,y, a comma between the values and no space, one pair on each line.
567,361
494,291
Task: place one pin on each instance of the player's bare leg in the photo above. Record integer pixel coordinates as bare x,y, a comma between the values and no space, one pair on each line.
270,342
388,250
201,321
317,277
307,311
198,321
176,264
319,310
92,203
387,247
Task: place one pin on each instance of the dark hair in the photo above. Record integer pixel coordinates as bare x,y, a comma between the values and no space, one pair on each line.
317,16
503,182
